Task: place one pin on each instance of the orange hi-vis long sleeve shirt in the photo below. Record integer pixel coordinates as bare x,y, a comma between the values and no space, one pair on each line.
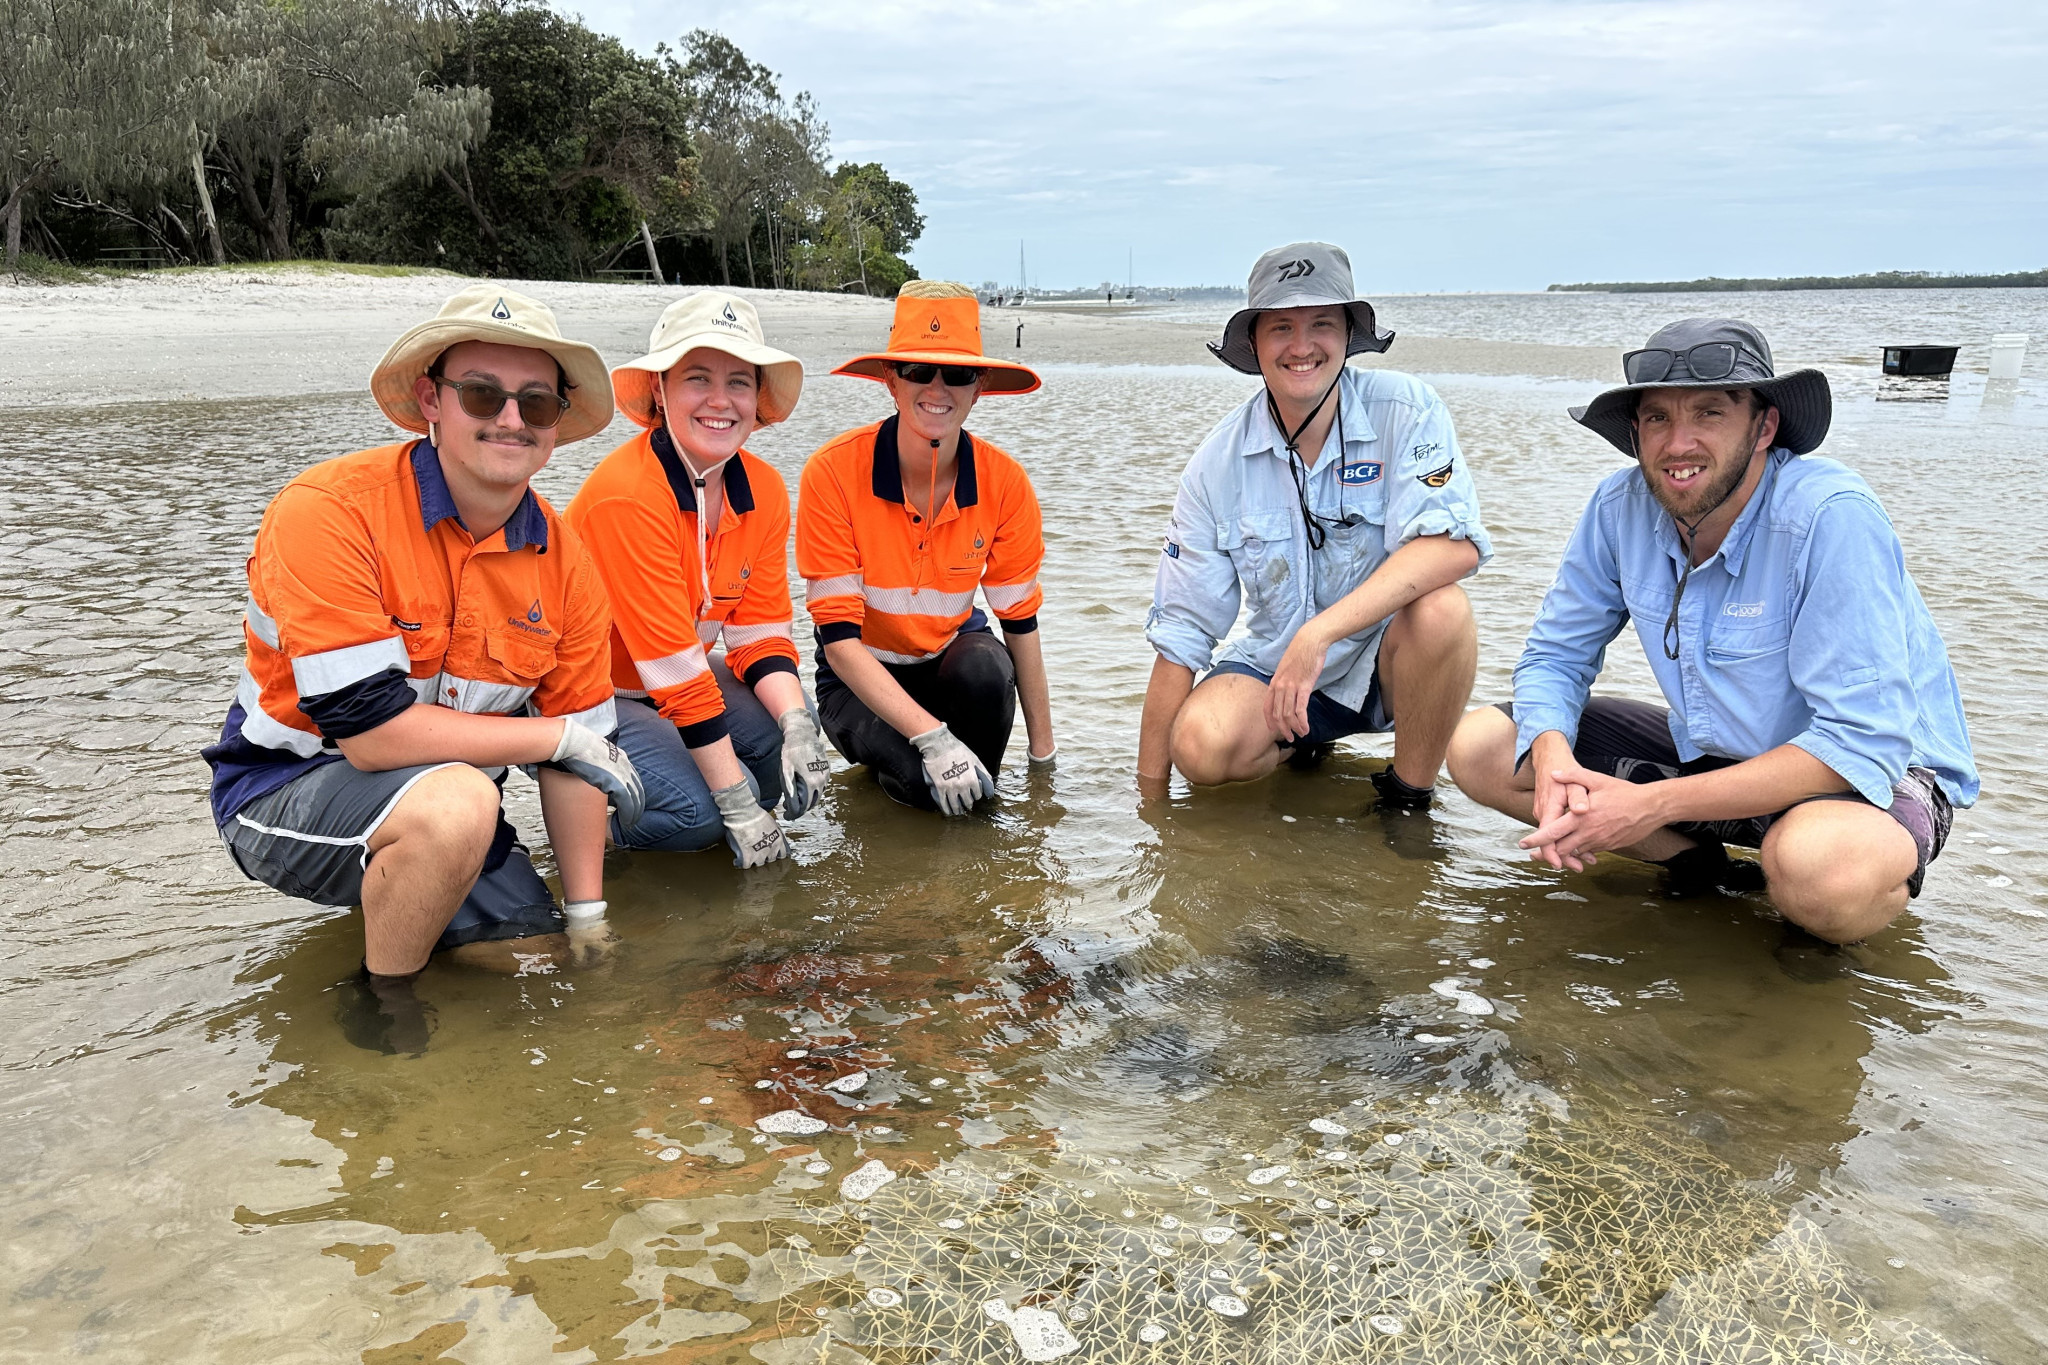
367,596
872,568
638,514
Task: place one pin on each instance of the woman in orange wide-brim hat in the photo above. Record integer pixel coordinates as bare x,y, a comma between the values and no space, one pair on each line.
898,523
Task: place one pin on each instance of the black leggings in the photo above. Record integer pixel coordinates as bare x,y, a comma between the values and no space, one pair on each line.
971,686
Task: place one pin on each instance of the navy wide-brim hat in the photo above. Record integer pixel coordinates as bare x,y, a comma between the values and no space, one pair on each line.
1804,403
1299,275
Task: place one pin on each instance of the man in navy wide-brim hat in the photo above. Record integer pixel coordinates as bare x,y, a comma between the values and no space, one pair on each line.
1812,711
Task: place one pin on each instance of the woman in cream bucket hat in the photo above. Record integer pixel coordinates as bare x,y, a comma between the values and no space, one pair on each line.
691,534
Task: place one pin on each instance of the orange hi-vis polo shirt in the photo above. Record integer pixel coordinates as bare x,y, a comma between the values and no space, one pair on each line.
872,569
367,596
638,514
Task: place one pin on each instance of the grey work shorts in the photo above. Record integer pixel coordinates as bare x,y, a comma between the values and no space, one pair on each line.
1631,740
310,839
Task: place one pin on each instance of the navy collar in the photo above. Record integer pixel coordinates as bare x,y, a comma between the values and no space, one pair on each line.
528,525
888,476
739,491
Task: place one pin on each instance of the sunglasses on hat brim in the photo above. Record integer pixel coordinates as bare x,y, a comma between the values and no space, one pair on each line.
1709,361
955,376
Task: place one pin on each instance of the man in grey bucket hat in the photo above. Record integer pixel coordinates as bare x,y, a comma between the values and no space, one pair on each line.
1335,505
1812,713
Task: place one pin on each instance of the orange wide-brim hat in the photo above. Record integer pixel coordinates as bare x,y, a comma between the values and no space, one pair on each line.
941,332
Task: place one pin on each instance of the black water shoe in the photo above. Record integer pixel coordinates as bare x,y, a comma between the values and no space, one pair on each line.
1708,870
1398,795
1304,758
383,1014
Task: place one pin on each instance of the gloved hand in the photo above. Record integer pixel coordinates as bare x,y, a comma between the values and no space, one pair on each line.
805,764
591,939
752,833
956,777
604,766
1045,762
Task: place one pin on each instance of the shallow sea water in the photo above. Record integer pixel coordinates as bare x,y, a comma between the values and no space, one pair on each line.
1185,1081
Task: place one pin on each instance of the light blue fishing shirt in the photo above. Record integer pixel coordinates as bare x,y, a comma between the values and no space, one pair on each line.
1237,534
1802,628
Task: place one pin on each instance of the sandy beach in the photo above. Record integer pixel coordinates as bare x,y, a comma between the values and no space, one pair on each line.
268,333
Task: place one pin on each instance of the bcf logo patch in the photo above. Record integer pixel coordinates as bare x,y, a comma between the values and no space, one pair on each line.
1365,471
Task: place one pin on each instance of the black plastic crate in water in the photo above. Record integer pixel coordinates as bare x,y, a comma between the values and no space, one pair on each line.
1920,361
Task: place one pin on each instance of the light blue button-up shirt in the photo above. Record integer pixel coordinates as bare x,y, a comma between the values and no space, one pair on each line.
1237,535
1803,628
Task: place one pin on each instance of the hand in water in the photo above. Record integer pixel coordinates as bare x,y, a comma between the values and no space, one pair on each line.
591,939
805,763
752,833
956,777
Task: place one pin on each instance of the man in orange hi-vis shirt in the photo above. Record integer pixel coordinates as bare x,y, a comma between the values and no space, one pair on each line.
418,620
691,533
897,524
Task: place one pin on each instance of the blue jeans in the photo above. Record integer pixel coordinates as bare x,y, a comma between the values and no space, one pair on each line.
681,816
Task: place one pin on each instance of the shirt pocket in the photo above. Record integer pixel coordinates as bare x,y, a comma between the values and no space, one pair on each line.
1750,650
1260,547
526,659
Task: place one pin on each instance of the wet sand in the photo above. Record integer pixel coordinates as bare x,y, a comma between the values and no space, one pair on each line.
244,334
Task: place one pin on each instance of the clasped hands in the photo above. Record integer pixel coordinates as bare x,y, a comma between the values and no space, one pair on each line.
1580,813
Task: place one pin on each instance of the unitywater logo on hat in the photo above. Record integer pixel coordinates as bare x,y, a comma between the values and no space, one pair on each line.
500,311
728,318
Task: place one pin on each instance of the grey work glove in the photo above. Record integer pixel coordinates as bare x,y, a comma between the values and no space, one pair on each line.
956,777
603,765
805,764
751,832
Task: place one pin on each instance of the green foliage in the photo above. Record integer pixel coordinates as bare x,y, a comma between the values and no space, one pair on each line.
1883,279
40,269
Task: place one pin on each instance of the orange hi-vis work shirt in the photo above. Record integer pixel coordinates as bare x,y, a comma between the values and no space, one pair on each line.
872,569
367,596
677,586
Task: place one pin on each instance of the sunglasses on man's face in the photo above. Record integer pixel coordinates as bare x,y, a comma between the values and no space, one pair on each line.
538,408
956,376
1709,360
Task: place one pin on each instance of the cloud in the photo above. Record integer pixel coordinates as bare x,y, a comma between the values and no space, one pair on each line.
1455,146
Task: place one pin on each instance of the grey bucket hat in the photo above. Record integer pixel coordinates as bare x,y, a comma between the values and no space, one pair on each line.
1299,275
1802,398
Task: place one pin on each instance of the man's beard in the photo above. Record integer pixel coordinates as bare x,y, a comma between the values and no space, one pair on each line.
1697,507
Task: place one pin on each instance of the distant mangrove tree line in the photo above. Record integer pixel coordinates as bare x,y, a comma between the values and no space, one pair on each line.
493,138
1883,279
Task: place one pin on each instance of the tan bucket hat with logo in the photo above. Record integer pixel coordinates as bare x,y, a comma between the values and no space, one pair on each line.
488,312
717,321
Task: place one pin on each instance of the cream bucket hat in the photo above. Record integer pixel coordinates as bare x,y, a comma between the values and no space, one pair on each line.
486,312
720,322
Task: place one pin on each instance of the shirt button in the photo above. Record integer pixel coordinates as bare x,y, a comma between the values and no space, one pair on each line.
468,620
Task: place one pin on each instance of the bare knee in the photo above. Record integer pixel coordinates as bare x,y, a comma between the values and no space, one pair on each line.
1481,758
1826,888
1440,617
450,813
1200,746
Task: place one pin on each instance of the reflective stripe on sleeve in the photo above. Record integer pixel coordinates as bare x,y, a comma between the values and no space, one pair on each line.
316,675
673,671
601,720
738,637
890,656
260,728
1003,598
918,601
260,624
476,697
840,585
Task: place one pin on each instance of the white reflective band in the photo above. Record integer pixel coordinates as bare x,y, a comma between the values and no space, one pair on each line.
427,690
891,657
636,693
838,586
707,633
260,728
1002,599
673,671
918,601
601,720
316,675
479,698
260,624
737,637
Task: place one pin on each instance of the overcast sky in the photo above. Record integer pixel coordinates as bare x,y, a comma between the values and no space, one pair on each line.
1470,146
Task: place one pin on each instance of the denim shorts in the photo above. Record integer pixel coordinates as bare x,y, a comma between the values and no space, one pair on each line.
1327,720
1631,740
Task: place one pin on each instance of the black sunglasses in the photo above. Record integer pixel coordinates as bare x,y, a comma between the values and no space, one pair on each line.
538,408
1708,360
956,376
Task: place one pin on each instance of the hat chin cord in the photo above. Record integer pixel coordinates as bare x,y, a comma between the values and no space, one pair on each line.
1689,531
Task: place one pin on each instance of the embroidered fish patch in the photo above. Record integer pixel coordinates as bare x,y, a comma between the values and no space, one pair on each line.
1437,478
